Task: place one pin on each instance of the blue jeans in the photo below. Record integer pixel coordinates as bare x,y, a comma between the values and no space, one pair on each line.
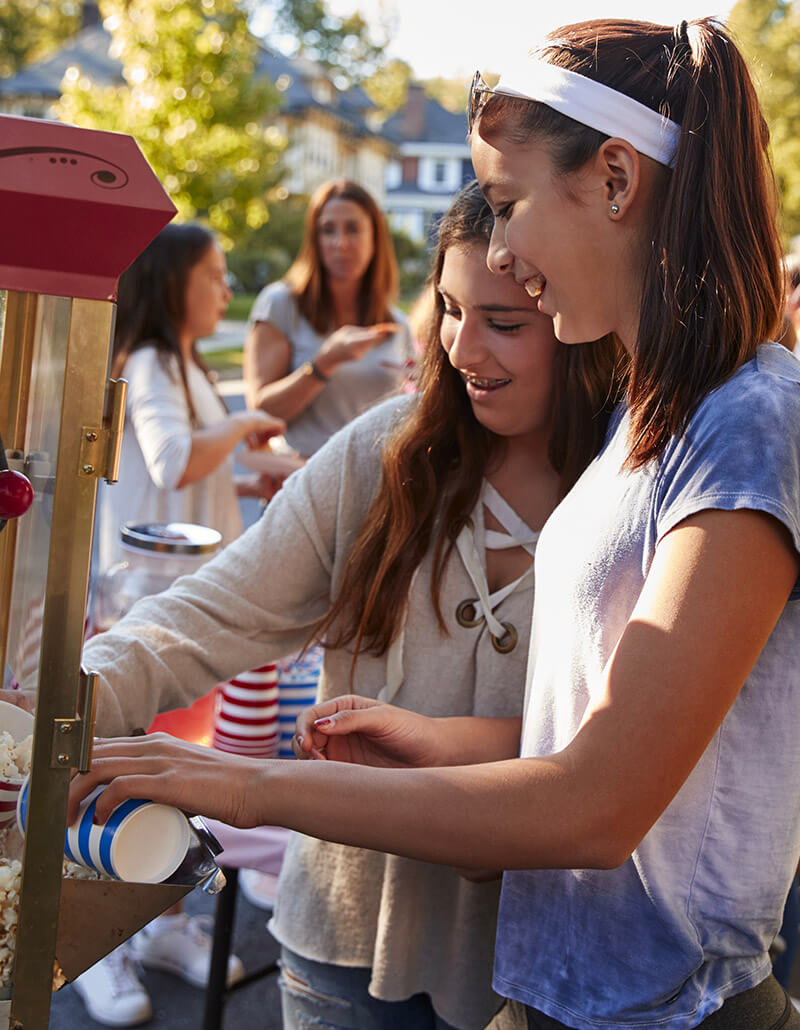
319,996
782,969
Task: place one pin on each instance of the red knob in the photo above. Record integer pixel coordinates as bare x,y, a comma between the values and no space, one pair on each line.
16,494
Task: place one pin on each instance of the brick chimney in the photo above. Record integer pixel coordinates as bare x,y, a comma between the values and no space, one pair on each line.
414,112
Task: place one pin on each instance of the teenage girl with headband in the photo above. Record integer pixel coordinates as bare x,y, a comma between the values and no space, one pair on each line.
651,827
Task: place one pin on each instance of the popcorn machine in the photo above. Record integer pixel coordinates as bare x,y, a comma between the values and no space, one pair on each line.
77,207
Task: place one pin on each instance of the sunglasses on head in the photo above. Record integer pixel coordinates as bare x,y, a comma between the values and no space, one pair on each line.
479,93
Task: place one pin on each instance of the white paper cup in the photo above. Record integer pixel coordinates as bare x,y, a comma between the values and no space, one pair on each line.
19,724
141,842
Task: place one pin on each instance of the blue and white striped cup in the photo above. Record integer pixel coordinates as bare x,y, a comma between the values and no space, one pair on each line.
141,842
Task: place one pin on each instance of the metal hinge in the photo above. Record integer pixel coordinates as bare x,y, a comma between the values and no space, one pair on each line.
72,738
100,445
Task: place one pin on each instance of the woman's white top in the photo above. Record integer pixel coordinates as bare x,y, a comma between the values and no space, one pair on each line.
156,444
418,926
352,388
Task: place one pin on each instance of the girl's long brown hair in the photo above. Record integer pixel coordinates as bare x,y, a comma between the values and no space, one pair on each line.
307,278
712,285
434,462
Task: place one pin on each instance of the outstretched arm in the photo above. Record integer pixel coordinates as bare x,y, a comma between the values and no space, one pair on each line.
715,590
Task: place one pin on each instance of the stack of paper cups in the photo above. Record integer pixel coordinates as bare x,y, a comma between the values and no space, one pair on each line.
246,720
141,842
298,679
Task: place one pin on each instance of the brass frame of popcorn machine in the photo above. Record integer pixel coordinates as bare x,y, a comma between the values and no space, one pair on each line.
77,205
74,493
90,424
69,923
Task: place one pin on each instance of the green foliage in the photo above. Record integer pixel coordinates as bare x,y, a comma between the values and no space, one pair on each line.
30,29
193,104
344,46
265,254
452,94
388,86
769,33
412,261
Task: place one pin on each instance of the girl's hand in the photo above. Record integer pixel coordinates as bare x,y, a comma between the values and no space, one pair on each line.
256,427
274,469
159,767
351,343
363,731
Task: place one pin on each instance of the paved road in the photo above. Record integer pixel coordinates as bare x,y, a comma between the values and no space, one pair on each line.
231,333
177,1006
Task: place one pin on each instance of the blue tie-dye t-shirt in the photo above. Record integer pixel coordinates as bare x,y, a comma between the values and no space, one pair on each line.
687,920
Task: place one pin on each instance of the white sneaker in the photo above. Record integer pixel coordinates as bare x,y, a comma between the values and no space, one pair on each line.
112,992
182,945
260,889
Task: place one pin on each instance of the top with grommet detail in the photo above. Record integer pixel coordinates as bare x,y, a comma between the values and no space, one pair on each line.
474,611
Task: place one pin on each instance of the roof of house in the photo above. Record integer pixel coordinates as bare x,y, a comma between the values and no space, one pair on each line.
89,49
439,126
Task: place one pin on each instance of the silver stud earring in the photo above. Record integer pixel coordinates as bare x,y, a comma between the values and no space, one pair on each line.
615,209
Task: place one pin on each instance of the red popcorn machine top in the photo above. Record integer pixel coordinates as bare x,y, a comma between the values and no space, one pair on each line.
77,206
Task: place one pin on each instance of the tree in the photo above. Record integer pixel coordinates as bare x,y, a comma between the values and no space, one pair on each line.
344,46
769,34
388,86
192,102
30,29
452,94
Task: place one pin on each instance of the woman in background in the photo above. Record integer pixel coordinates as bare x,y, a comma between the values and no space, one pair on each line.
325,342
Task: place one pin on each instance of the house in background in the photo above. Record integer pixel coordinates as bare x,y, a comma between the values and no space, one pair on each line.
432,165
329,132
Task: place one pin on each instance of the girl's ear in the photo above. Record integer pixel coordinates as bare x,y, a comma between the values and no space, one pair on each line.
620,169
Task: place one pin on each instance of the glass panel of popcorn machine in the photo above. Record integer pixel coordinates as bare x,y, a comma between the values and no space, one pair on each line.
33,530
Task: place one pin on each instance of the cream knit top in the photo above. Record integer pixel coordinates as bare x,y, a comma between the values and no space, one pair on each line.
419,927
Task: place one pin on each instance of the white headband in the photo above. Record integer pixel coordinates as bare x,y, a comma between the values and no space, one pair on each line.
596,105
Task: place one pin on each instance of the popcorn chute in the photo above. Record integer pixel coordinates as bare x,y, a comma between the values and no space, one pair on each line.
77,207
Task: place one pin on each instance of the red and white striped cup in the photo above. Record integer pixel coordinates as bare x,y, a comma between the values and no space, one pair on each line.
19,724
246,719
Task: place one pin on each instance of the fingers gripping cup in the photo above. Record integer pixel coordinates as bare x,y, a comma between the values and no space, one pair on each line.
142,841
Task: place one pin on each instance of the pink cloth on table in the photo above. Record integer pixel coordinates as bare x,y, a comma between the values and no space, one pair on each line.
260,848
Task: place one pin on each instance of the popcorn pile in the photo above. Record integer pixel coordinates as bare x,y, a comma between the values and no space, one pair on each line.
10,883
15,759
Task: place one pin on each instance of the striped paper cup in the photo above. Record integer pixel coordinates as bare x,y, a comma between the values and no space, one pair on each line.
246,719
19,724
9,796
141,842
298,678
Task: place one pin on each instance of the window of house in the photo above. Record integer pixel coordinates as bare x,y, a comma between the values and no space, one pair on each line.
439,172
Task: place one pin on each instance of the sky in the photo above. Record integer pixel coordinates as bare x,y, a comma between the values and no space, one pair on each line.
452,38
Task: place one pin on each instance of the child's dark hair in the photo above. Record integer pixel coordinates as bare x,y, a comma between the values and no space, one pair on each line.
712,288
151,298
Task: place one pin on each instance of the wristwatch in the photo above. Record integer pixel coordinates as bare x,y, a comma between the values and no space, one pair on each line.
310,369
